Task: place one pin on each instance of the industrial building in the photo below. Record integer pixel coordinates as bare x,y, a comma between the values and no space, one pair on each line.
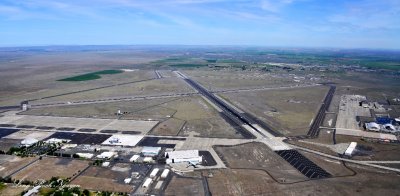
191,156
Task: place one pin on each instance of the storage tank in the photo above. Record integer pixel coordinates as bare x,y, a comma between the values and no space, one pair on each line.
154,172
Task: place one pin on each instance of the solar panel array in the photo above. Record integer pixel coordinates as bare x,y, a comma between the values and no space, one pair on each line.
303,164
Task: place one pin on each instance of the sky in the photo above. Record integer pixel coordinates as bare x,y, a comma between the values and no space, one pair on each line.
282,23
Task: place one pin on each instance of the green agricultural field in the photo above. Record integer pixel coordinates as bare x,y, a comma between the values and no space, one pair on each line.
91,76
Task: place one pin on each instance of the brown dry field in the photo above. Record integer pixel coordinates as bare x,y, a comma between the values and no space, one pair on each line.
103,179
51,167
334,167
258,156
9,191
184,186
138,110
26,74
200,118
289,111
171,126
151,87
231,79
10,164
256,182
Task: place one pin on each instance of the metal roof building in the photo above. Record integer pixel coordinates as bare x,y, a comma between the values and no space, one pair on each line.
183,156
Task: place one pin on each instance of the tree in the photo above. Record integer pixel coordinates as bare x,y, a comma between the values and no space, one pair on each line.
86,192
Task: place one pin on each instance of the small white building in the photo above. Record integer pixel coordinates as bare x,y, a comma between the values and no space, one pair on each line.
106,155
148,160
154,172
147,183
349,151
179,156
85,155
134,158
105,164
165,173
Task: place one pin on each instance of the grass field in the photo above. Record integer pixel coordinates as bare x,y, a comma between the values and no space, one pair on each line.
91,76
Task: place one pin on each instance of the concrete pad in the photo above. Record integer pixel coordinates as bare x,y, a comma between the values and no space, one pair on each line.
123,140
21,135
91,123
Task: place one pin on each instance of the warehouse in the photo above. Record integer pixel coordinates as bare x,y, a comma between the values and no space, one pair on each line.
191,156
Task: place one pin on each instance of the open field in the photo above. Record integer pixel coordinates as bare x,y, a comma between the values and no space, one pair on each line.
139,110
91,76
228,79
289,111
51,167
201,119
184,186
11,190
9,164
150,87
365,182
104,179
45,84
171,126
258,156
